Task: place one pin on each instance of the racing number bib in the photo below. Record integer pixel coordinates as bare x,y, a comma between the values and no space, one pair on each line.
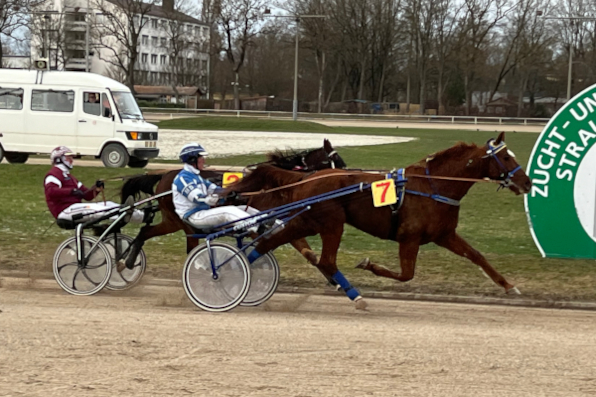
231,177
383,192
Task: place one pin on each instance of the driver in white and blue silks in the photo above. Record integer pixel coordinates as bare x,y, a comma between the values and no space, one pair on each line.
195,197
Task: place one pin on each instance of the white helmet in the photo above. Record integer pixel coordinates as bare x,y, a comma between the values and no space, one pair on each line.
58,156
191,151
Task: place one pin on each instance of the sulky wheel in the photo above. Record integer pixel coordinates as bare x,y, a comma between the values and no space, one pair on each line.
222,291
264,277
87,278
127,278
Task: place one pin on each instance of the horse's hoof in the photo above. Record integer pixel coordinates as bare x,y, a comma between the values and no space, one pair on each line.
363,264
360,303
121,266
513,291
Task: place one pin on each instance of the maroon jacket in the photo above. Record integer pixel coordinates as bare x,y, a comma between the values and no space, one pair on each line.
58,186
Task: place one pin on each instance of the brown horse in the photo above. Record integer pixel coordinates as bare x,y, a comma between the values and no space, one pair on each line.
429,211
306,161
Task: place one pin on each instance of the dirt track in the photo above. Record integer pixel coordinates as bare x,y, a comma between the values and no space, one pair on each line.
151,341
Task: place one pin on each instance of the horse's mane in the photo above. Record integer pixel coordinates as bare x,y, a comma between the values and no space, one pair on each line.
458,151
284,157
265,177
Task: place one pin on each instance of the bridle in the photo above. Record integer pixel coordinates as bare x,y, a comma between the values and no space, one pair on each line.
506,174
329,160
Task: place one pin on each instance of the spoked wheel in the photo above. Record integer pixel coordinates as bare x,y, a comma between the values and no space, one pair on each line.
127,278
264,277
222,291
86,279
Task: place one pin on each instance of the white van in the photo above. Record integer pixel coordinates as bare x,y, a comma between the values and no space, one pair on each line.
91,114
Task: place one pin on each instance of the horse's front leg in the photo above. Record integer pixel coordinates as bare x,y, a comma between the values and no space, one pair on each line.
328,265
167,226
408,252
456,244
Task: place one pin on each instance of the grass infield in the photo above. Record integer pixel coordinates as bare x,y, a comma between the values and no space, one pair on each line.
493,222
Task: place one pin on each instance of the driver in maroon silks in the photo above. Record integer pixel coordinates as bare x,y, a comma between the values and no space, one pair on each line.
64,193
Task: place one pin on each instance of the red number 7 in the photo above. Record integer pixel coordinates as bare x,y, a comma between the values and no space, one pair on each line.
386,186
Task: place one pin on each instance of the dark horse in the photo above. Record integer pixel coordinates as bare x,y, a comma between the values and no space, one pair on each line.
306,161
421,219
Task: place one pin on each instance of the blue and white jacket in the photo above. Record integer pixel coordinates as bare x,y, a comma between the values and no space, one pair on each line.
191,192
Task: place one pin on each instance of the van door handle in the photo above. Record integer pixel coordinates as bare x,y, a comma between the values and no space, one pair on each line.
82,121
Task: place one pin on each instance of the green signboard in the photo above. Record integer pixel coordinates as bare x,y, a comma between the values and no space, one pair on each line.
561,206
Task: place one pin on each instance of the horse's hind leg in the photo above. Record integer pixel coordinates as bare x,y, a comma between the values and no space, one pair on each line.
408,252
456,244
301,245
328,266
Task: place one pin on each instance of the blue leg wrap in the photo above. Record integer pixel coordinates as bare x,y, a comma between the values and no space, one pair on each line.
350,291
253,256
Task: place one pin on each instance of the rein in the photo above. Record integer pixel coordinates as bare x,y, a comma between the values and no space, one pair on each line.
263,191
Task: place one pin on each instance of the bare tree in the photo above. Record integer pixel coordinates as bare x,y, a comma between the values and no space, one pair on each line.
239,22
14,14
181,45
119,32
478,23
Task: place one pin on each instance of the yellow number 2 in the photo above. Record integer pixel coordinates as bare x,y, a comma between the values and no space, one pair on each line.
231,177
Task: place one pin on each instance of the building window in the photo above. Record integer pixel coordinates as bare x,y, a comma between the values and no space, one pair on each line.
154,41
162,60
153,59
153,77
154,23
164,42
79,17
206,32
197,31
145,40
203,65
144,58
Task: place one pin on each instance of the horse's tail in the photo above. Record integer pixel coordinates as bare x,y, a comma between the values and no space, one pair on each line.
139,184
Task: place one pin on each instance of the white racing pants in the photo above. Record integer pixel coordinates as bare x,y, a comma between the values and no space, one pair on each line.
86,208
218,215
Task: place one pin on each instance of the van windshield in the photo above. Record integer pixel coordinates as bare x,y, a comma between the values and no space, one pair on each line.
127,106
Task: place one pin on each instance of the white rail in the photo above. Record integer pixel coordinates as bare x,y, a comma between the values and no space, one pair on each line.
414,118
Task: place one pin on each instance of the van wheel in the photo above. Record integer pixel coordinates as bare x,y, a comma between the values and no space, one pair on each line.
136,162
16,158
114,156
1,153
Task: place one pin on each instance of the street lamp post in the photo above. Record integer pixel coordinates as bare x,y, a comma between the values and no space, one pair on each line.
87,38
297,18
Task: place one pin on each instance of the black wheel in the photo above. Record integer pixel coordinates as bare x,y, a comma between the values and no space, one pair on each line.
135,162
114,156
1,153
16,158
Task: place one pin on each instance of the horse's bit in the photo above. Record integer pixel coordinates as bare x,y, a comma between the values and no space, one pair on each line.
491,152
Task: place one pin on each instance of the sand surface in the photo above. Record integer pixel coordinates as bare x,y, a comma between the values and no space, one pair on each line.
152,342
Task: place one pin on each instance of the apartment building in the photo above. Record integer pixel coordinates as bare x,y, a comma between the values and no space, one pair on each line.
172,46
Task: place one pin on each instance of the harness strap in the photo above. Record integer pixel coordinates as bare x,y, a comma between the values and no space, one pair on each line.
436,197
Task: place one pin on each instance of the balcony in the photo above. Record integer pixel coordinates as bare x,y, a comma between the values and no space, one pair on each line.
75,64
